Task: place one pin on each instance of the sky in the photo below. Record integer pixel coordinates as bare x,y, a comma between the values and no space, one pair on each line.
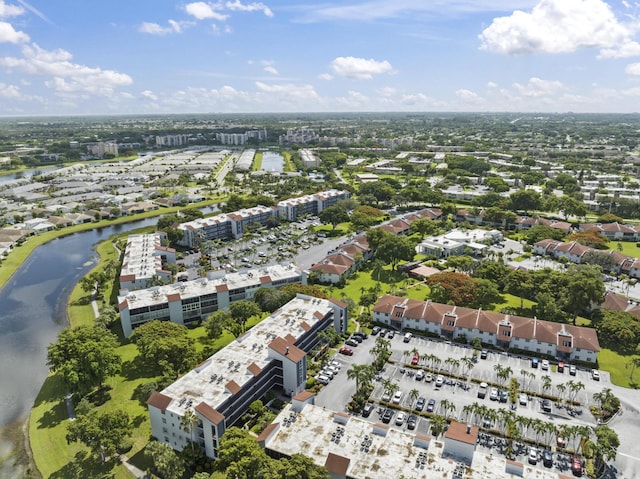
83,57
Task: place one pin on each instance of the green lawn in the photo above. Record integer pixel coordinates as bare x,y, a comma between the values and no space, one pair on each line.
616,365
628,247
257,161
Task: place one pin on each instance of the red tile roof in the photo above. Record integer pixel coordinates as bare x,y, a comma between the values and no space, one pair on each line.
280,345
267,431
209,413
159,401
337,464
458,432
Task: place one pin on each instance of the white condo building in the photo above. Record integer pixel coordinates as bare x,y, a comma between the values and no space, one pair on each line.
143,259
271,355
185,302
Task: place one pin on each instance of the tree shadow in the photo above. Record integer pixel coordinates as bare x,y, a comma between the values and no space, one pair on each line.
53,416
141,461
142,392
83,466
100,396
137,368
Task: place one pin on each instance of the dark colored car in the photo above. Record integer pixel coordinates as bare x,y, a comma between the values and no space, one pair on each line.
362,334
504,396
412,421
431,405
420,404
483,354
547,458
357,338
387,416
366,411
546,405
351,342
375,330
535,362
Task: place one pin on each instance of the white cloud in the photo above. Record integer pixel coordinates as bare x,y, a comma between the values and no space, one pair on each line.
555,26
10,10
149,94
289,92
155,29
325,76
466,95
66,76
359,68
9,91
537,87
633,69
416,99
628,49
236,5
204,11
492,85
269,67
387,91
9,35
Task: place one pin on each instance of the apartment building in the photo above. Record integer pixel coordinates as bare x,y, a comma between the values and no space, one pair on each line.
293,208
172,140
189,301
271,355
565,342
143,258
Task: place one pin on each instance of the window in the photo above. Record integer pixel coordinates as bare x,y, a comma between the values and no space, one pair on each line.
164,420
506,333
566,344
399,314
451,322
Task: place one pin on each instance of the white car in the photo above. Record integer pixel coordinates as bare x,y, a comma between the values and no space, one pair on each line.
545,365
533,456
522,399
397,397
439,381
494,394
400,419
595,375
323,379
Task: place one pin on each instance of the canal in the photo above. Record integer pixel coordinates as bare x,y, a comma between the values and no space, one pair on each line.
272,161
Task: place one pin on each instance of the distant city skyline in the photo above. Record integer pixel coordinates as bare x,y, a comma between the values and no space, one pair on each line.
67,57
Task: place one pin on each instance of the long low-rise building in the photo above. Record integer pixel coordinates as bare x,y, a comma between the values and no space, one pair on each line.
185,302
142,261
235,224
563,341
271,355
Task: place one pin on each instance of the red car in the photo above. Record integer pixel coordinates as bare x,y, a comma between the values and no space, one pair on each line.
347,351
415,359
576,466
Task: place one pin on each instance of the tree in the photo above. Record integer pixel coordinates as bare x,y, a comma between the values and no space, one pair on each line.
487,294
166,463
424,227
361,373
215,323
525,200
101,431
438,425
241,311
584,288
334,215
519,284
84,357
165,346
393,249
458,288
607,443
188,422
240,450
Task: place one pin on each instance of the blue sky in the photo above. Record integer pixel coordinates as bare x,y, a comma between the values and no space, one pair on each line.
60,57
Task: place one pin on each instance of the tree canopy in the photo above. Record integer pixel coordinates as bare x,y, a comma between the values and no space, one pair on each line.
84,357
101,431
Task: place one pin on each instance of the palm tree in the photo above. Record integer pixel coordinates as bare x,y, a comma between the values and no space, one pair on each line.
575,388
467,410
438,425
436,361
188,423
467,364
538,426
414,394
502,373
546,383
452,364
390,387
634,363
447,406
524,423
362,373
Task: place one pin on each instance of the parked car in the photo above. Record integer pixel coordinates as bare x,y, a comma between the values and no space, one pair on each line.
547,458
572,370
357,338
504,395
545,365
533,456
546,405
560,367
351,342
431,405
412,420
493,395
595,375
535,362
400,419
420,375
407,337
367,410
375,330
483,354
482,390
415,359
346,351
576,466
428,378
522,399
362,334
391,334
387,416
420,404
397,397
323,379
386,397
439,381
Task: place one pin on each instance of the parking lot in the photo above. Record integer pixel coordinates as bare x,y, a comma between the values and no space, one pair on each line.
459,394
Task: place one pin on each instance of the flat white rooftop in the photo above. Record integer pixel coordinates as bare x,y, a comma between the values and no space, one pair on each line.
140,257
202,286
396,454
208,382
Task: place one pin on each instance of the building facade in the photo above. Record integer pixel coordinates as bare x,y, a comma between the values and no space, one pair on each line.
271,355
189,301
563,341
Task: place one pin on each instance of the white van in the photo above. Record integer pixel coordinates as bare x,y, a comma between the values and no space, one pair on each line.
407,337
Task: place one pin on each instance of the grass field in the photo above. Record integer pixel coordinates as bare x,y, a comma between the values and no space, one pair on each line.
616,365
257,162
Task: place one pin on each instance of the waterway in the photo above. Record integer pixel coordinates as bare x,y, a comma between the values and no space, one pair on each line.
272,161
